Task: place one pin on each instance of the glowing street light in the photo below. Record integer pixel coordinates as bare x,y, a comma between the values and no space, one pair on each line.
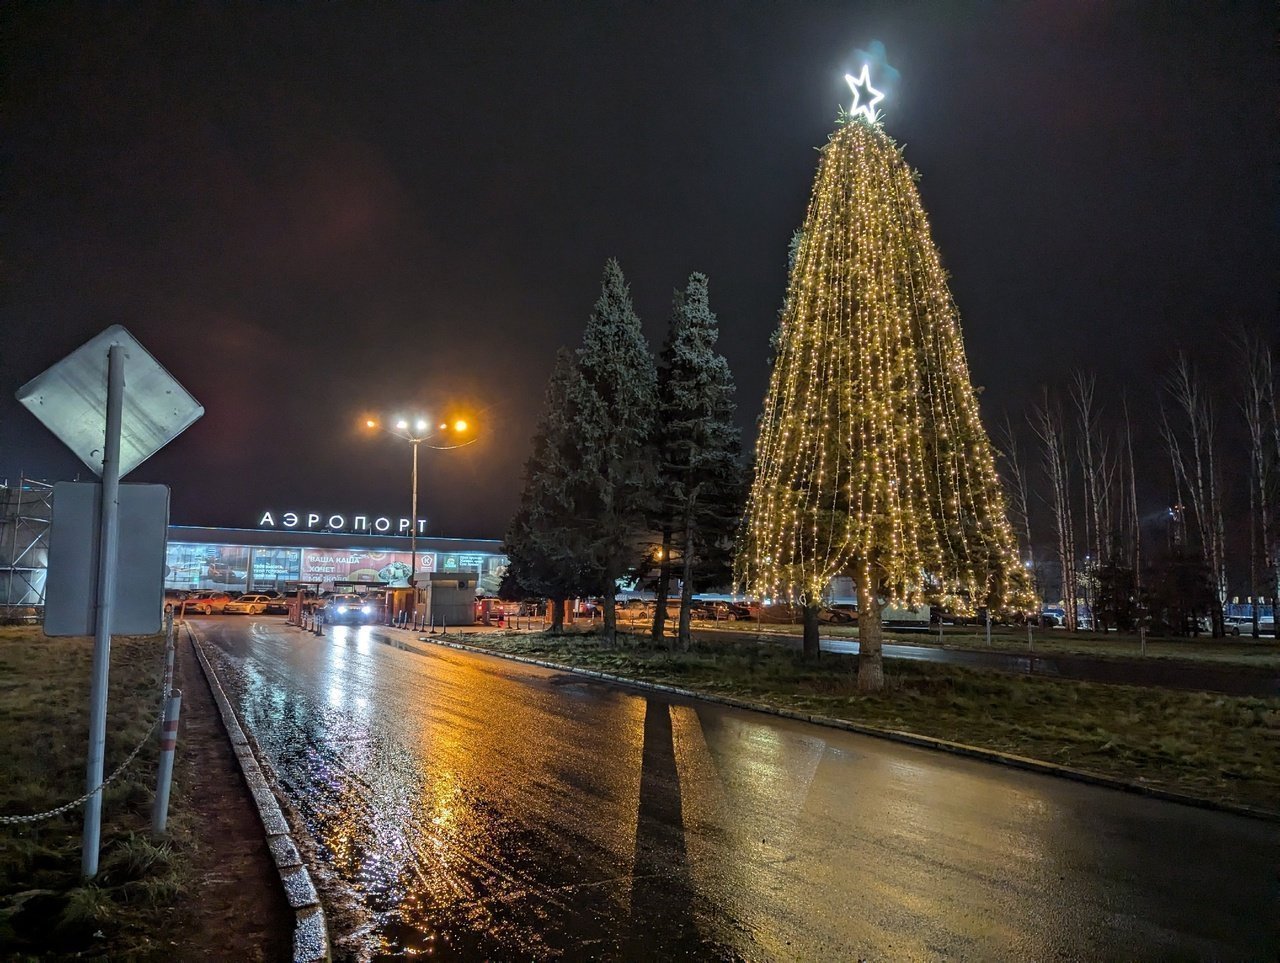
417,437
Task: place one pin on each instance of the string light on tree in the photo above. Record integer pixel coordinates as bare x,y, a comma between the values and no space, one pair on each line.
871,459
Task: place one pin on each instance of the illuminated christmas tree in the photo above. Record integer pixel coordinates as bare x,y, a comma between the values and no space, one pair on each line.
871,459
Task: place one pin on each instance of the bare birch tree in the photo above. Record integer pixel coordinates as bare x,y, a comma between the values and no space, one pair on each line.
1135,521
1196,468
1098,472
1082,396
1048,425
1258,405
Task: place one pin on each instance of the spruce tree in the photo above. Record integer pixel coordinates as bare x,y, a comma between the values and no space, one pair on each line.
699,448
611,407
871,458
540,540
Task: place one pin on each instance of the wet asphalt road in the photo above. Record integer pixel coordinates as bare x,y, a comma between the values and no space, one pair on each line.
474,808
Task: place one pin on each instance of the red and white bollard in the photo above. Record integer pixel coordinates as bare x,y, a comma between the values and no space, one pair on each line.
168,653
164,779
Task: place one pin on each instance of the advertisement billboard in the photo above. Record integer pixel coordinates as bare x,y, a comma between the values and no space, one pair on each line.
273,567
200,565
324,565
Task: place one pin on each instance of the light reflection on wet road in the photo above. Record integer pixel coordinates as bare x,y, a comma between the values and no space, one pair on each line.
474,808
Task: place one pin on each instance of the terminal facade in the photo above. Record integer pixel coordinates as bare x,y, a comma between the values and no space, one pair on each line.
262,560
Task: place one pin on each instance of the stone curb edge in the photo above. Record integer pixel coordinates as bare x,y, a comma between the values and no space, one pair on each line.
893,735
310,931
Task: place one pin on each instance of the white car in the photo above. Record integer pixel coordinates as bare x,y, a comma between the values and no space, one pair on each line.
248,605
1243,625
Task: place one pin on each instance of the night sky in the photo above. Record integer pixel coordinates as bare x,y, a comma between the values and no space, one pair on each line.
310,213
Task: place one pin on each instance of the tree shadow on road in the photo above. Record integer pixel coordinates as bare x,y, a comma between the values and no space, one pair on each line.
663,923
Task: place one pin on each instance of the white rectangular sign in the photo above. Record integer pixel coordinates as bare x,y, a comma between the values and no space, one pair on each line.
71,586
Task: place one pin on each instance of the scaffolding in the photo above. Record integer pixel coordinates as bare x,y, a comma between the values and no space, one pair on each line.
26,510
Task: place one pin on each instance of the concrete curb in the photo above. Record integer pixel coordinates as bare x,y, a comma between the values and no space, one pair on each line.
893,735
310,933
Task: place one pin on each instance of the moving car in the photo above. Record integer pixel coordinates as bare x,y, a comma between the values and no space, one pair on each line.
248,605
347,608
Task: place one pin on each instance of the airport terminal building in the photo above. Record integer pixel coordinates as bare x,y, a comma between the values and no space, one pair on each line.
259,560
285,550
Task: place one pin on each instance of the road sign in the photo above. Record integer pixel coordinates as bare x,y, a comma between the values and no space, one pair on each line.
112,404
71,586
70,398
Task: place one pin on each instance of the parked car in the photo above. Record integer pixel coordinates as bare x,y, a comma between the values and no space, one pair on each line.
721,611
277,605
248,605
635,610
352,609
207,603
651,609
1243,625
841,613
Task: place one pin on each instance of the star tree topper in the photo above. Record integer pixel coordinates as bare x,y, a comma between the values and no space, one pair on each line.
865,97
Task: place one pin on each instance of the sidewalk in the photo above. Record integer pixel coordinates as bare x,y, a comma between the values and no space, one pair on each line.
240,908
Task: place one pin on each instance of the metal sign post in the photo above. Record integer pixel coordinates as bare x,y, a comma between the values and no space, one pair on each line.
69,400
109,536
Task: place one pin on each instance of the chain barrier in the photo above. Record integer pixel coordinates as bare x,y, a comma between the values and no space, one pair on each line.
49,814
66,807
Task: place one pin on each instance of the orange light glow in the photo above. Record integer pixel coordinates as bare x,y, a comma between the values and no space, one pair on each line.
459,425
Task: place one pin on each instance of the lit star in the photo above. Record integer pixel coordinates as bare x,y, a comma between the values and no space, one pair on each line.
862,88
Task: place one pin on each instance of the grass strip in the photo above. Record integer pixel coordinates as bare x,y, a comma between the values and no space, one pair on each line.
46,909
1247,653
1208,745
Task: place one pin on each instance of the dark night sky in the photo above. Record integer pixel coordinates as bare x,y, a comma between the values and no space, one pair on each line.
309,212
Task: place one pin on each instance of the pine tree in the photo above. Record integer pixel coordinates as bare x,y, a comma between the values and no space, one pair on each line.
540,539
612,411
699,448
871,458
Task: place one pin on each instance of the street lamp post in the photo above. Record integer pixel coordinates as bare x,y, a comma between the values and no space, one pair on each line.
413,521
418,433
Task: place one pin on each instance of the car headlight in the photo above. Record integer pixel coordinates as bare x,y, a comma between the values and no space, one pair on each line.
341,609
365,609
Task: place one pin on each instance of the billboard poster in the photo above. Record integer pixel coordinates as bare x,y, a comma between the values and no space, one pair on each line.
325,565
495,566
205,566
273,567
